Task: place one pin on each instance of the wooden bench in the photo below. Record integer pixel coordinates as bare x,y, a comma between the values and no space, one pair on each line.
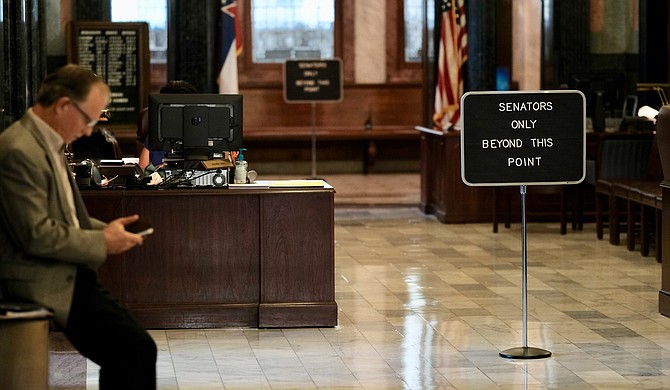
638,186
621,157
367,143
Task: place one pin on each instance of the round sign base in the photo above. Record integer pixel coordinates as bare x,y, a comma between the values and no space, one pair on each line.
525,353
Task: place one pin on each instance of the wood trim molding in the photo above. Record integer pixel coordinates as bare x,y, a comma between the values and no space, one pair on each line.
253,75
397,70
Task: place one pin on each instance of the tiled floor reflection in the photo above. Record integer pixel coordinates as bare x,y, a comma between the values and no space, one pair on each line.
424,305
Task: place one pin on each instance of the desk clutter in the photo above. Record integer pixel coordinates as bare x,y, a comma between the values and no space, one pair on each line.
200,174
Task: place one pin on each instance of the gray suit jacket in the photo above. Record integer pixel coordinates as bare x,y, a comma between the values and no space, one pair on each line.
40,247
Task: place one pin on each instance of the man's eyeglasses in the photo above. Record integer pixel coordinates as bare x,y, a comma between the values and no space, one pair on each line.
89,122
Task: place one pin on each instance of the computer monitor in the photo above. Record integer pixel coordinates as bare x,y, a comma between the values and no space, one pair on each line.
195,126
606,89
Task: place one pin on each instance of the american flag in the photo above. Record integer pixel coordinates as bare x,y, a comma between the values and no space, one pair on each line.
231,47
452,54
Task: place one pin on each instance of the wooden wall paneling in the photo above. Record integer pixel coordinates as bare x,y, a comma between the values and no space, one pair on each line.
384,105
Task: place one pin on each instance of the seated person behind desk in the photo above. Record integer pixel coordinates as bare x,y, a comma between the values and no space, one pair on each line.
145,155
102,144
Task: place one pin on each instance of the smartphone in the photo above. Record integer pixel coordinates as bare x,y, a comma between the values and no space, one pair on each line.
142,226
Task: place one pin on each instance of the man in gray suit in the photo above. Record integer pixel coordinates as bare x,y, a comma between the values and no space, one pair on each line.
50,247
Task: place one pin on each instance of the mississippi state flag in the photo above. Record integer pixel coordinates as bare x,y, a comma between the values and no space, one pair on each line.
452,54
231,47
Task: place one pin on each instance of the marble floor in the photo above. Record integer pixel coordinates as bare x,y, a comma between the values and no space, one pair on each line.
424,305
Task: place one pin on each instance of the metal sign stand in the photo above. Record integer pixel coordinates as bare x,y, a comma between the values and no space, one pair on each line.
550,151
524,352
313,139
313,80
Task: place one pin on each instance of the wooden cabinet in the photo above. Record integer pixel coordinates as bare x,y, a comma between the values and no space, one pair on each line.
220,257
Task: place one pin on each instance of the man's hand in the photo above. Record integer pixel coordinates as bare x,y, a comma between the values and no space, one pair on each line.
118,240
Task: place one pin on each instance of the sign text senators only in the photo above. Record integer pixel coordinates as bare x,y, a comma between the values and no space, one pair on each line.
521,124
523,137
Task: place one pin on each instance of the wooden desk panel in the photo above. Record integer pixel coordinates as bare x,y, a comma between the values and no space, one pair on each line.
106,206
296,246
217,253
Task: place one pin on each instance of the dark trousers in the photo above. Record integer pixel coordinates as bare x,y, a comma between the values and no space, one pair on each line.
104,332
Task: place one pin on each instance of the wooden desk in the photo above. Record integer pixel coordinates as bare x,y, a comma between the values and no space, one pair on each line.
443,193
223,257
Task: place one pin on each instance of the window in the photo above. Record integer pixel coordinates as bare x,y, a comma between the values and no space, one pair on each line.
277,30
292,29
413,15
154,12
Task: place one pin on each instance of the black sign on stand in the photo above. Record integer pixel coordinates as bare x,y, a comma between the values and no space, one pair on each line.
308,81
119,53
312,81
515,138
522,138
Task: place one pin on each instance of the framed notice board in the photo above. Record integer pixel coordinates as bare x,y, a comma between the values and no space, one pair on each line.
119,53
523,137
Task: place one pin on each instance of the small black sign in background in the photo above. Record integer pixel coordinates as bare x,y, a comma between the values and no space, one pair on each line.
519,138
312,80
